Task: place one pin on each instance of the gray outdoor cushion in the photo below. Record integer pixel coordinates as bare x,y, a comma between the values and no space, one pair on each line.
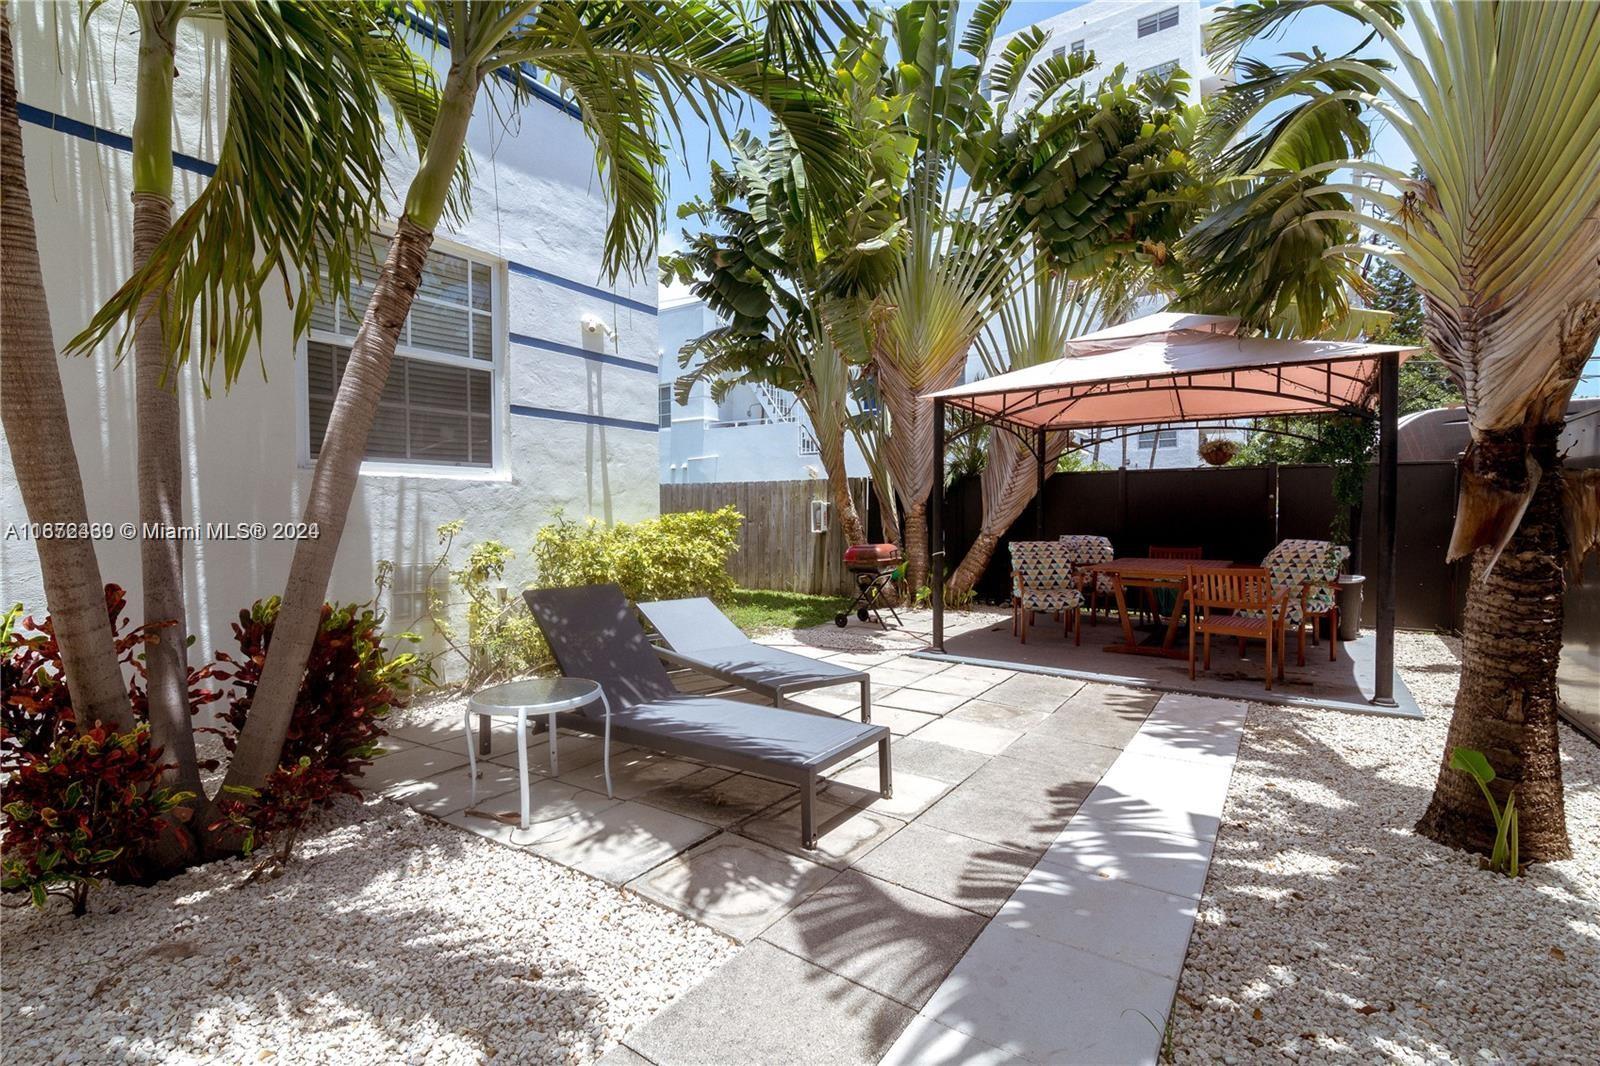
701,636
593,634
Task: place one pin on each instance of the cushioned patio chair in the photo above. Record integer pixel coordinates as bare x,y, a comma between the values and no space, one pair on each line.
1255,611
1309,571
1085,550
1042,579
702,638
594,634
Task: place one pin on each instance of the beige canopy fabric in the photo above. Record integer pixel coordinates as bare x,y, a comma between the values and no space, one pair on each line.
1196,371
1113,338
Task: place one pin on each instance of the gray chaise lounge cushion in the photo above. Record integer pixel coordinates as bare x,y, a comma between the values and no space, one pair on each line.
593,634
700,636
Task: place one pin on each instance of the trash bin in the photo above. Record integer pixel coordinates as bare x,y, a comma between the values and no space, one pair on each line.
1350,605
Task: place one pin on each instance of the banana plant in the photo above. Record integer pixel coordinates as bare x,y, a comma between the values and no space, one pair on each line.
1503,855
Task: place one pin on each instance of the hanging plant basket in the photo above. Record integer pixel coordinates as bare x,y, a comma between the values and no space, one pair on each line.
1218,451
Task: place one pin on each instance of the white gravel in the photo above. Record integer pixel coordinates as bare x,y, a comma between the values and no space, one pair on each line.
391,939
1330,931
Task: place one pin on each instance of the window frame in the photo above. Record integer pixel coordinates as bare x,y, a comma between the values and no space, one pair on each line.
1157,22
1156,436
665,402
498,469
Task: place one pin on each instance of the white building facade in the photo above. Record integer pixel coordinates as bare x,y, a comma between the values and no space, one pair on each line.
755,433
525,382
1146,37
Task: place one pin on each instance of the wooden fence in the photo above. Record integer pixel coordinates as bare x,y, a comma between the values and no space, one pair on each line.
777,549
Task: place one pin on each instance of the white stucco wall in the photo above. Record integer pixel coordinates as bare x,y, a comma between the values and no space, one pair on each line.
697,449
576,410
1110,29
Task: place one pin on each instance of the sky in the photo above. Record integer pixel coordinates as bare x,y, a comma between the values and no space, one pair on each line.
691,171
1314,28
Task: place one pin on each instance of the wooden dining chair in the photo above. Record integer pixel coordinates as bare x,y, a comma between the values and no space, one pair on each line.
1253,611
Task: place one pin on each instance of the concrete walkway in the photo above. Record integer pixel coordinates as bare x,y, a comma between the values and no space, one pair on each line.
865,942
1082,963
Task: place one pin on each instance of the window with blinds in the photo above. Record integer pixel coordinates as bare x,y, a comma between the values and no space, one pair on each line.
437,407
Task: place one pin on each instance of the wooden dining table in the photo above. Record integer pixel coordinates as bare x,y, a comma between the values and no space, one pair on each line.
1169,574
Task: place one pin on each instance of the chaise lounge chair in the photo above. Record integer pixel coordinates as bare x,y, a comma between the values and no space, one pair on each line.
702,638
593,634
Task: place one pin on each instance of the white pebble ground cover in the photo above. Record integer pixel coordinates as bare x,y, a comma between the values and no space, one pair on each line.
1329,930
391,939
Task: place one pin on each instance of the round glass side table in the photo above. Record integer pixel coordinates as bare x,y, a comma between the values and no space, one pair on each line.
520,700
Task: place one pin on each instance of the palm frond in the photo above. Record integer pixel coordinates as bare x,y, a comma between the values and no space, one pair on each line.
298,186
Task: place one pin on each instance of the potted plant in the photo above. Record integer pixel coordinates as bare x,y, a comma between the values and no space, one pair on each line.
1218,451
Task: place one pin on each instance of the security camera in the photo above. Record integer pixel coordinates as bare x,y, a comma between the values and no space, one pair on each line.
592,323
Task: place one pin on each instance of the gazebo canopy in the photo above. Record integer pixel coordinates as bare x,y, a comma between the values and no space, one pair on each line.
1173,367
1177,368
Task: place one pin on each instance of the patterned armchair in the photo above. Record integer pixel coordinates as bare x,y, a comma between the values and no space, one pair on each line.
1308,570
1085,550
1042,579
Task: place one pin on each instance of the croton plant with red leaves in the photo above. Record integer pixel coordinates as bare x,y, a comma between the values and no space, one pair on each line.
351,684
35,705
81,812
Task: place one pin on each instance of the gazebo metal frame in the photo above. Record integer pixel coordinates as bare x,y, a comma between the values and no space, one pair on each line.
1283,398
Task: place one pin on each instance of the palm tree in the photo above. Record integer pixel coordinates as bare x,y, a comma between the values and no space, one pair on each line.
629,66
298,183
1501,233
773,267
47,474
292,96
949,273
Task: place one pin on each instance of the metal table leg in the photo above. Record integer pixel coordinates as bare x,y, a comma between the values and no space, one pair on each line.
522,761
472,756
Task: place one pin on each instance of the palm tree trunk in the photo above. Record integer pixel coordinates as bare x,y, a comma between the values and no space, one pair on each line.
1510,648
908,447
333,482
33,410
1010,482
159,420
333,485
914,528
830,450
965,577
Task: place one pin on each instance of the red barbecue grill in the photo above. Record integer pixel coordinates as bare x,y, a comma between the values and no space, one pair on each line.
875,567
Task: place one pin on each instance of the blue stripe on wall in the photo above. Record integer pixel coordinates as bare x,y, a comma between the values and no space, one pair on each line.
578,286
74,128
582,353
522,76
582,418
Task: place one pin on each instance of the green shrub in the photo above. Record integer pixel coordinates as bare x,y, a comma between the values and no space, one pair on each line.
663,558
502,638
